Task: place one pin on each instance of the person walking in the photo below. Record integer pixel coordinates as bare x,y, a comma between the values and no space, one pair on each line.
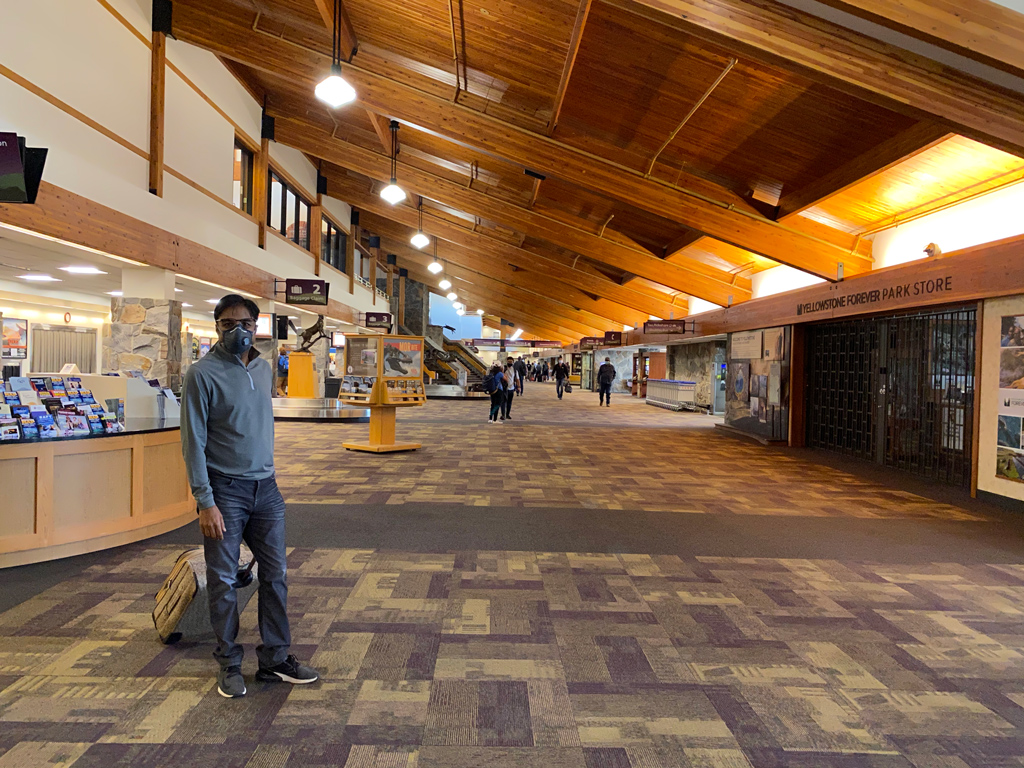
605,377
227,439
494,385
282,371
511,387
521,372
561,372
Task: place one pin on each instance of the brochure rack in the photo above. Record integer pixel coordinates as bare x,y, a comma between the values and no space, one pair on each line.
383,373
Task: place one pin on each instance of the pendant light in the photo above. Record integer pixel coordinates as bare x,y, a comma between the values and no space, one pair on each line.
445,284
393,193
419,240
334,90
479,311
435,266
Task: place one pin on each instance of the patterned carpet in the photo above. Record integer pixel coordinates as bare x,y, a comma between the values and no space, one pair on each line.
537,659
533,659
571,453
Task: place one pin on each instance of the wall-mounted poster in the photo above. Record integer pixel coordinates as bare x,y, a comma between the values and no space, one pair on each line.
1010,446
741,381
15,338
746,345
774,343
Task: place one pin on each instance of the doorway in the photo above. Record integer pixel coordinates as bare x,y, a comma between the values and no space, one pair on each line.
896,390
52,348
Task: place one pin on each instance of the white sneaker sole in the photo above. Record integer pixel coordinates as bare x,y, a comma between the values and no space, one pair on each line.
229,696
294,680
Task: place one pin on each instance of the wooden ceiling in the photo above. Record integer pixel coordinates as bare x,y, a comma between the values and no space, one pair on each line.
681,152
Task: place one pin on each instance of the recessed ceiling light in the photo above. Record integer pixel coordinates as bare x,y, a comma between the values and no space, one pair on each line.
179,290
115,293
39,278
83,270
212,301
185,305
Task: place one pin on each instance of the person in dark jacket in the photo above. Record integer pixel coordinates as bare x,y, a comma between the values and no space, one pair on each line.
561,372
494,385
521,371
605,377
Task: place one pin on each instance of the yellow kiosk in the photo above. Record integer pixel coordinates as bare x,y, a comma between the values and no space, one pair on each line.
383,373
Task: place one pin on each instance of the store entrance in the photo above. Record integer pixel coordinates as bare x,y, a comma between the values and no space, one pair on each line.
896,390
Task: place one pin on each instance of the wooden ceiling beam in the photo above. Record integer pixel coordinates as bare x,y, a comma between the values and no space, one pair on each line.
780,35
314,140
357,194
978,29
348,34
903,146
570,62
475,267
696,203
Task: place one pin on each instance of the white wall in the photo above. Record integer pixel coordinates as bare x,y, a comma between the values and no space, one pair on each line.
780,279
983,220
696,306
104,75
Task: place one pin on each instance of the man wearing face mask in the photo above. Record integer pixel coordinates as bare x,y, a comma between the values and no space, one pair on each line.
227,438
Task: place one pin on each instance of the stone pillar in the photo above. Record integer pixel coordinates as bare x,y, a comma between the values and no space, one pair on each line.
268,348
144,335
321,364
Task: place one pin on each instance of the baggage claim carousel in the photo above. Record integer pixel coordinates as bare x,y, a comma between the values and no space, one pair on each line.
320,410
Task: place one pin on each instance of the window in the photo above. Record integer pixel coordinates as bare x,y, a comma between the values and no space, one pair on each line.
241,190
333,242
287,212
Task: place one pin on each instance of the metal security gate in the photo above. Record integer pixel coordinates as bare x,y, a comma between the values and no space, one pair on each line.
897,390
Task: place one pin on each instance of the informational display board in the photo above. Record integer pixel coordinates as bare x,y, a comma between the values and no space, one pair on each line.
15,338
382,370
1010,442
306,292
747,345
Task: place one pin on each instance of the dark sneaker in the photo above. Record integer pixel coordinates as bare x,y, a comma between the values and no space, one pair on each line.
230,683
288,671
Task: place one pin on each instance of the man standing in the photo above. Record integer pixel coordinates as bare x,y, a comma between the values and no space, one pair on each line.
227,438
605,377
561,372
512,385
521,371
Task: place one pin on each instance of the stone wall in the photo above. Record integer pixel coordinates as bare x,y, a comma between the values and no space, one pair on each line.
622,359
144,335
693,362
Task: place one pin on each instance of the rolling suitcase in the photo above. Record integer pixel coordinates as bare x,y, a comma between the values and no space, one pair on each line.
182,609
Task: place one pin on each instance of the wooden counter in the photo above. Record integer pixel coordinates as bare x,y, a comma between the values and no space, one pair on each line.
67,497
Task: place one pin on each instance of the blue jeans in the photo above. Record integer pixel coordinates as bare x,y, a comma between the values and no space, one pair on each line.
559,387
253,512
604,392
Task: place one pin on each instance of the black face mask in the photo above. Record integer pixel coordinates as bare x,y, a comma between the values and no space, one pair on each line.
237,341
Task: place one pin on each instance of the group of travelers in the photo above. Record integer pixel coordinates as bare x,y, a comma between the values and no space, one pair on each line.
504,382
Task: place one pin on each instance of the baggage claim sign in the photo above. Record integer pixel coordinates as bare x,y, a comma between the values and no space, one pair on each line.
900,293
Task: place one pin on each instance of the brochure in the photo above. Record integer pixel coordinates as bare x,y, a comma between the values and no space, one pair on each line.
72,382
40,383
11,398
71,423
47,427
9,429
95,424
19,383
110,424
29,429
5,411
29,397
87,397
20,411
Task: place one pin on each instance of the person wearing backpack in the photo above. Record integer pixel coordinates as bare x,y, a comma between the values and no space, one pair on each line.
494,385
521,372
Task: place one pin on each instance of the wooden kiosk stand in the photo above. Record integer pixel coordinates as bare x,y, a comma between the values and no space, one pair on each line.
383,373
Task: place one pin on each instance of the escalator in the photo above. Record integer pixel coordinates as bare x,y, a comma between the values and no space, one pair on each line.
458,372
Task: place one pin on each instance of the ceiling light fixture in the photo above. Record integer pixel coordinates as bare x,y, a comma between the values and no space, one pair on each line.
39,278
419,240
83,270
334,90
458,305
115,293
445,284
213,301
460,312
479,311
185,304
393,193
435,266
452,296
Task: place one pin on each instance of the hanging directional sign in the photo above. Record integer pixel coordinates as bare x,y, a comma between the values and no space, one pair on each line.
306,292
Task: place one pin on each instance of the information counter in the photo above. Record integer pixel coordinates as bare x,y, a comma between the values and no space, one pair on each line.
67,496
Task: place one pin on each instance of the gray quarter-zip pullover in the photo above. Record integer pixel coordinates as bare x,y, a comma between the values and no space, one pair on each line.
227,420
